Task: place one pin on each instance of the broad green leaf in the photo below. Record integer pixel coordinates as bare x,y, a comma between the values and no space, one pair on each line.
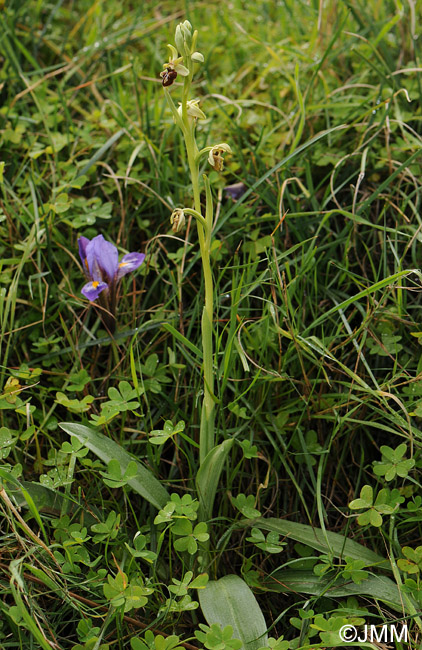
208,476
229,601
306,582
326,542
144,483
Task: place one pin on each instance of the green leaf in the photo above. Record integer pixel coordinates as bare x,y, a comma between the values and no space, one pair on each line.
200,582
374,518
34,495
208,476
182,527
229,601
177,335
306,582
75,405
144,483
246,505
160,436
249,450
324,541
100,153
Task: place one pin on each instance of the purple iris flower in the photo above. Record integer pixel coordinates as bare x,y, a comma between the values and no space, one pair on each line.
101,265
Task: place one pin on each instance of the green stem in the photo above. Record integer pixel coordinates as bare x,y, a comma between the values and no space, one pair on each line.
206,435
204,226
199,218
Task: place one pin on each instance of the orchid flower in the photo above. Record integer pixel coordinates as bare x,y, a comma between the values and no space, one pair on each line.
101,264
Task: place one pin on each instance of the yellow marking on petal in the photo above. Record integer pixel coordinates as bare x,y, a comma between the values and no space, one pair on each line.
123,264
95,284
86,264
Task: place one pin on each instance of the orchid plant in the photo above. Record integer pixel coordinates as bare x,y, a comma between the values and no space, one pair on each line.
103,270
183,57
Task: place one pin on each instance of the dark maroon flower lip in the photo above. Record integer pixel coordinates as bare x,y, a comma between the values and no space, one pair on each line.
100,259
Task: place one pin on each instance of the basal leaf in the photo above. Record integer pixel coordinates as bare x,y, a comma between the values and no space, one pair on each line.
326,542
229,601
144,483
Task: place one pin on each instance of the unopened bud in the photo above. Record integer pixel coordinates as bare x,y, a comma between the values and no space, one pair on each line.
186,29
194,39
197,56
178,38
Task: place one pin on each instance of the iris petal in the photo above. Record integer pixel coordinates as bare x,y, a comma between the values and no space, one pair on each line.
102,256
129,263
92,290
83,243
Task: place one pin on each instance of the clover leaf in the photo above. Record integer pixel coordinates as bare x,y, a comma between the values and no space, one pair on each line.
385,503
246,505
216,638
413,561
393,464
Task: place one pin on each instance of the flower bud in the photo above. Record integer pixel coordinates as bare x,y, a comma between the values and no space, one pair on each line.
178,39
197,56
194,39
186,29
177,220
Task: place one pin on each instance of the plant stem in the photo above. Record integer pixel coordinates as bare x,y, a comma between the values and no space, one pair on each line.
204,226
206,436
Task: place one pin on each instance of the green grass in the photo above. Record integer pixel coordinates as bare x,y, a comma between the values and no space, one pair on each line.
316,332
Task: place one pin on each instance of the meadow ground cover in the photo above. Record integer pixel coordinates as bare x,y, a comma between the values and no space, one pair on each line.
211,372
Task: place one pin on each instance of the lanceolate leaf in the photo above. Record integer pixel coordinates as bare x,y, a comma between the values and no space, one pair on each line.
306,582
144,483
208,476
229,601
324,541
